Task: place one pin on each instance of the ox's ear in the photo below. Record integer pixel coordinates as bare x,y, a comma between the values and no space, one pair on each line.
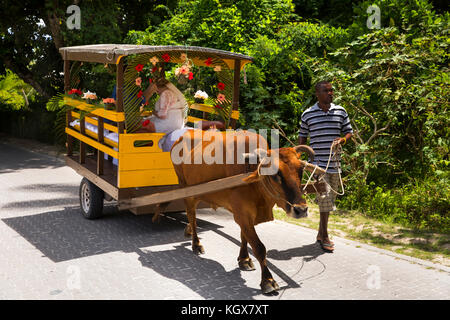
254,177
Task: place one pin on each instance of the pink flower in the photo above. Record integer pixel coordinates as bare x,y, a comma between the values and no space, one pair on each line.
138,81
221,97
109,100
184,69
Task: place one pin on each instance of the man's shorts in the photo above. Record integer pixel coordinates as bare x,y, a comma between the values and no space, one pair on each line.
326,200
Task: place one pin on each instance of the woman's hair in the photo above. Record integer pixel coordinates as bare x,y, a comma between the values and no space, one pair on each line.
161,82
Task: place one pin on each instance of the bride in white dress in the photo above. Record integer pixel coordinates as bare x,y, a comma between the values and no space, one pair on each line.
169,113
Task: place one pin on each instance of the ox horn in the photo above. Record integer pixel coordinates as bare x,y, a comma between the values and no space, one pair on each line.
256,154
307,149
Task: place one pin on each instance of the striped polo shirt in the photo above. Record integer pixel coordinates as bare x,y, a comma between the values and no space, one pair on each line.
322,128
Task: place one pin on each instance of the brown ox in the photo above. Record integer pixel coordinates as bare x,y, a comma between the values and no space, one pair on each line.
251,203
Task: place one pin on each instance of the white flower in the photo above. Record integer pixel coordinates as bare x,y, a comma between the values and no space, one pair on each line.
89,95
201,95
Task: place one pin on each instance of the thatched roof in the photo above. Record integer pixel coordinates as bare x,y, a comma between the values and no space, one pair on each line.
110,53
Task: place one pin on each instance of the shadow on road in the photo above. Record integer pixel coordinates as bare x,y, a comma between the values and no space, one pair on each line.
206,277
307,252
65,235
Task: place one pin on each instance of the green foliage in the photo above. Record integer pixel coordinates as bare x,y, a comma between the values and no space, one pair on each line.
413,17
279,81
14,93
422,204
394,90
333,12
227,25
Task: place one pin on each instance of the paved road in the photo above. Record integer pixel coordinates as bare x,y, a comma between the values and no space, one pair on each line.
48,251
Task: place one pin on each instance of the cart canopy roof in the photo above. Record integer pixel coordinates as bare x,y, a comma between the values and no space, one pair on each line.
111,53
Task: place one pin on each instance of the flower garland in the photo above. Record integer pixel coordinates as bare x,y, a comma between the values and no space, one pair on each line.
145,72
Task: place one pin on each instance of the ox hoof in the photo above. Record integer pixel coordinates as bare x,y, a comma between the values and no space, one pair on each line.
246,264
188,231
198,249
269,286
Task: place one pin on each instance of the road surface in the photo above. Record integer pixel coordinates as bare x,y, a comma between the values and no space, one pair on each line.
49,251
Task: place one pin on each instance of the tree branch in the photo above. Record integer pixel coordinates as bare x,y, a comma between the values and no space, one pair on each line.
377,132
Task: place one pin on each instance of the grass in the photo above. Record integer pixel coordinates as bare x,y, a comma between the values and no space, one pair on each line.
422,244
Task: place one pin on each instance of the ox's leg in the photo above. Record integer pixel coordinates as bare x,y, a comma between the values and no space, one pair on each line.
244,261
191,205
268,284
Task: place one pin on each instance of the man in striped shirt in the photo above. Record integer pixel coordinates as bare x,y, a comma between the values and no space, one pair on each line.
325,122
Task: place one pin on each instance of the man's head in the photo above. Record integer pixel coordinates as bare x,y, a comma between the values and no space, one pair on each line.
324,92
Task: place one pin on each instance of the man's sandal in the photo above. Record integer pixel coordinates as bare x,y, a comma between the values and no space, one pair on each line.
326,246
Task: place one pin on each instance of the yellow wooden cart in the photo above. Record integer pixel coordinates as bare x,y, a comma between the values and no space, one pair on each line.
138,177
140,170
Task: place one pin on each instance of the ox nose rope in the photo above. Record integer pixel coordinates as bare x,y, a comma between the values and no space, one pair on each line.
333,155
337,152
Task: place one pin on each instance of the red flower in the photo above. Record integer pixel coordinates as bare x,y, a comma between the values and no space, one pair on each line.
208,62
145,123
139,67
77,91
166,57
140,94
221,86
154,69
217,106
191,76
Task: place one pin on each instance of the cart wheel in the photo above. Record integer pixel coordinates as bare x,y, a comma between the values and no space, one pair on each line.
91,199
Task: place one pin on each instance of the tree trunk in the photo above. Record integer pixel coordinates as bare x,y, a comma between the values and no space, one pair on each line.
52,22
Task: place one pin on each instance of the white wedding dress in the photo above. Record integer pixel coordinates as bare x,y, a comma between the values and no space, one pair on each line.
173,105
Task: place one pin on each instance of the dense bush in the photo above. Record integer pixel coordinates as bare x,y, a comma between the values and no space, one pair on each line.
395,88
422,203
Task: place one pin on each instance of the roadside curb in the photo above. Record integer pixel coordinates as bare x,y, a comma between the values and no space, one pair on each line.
34,146
357,244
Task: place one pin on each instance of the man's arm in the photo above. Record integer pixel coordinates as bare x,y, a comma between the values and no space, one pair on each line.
346,127
345,139
303,132
301,140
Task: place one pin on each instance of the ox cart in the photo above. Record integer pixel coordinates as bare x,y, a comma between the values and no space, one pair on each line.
119,163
